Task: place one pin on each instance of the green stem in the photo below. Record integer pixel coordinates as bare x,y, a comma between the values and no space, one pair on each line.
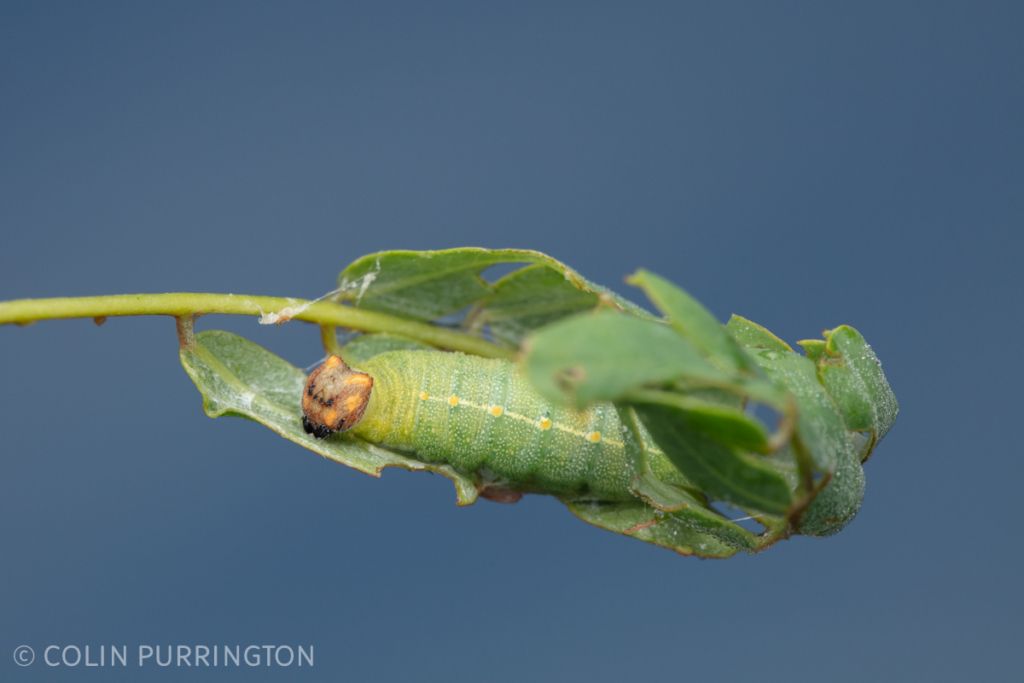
178,304
329,338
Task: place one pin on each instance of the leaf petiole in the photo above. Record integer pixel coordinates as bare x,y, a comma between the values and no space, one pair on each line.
186,304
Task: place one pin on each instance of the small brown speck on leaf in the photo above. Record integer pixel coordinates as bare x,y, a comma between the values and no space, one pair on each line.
640,526
500,495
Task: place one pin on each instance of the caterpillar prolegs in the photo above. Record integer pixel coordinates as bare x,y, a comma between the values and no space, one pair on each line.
484,419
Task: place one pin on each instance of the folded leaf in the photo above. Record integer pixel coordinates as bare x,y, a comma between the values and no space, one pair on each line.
530,298
824,439
693,321
238,377
602,356
853,377
723,472
752,336
428,285
659,493
647,524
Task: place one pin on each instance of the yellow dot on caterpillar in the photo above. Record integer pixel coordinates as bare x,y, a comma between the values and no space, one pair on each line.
594,437
496,411
424,396
453,400
545,423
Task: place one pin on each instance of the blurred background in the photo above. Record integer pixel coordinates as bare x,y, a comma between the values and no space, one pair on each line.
802,164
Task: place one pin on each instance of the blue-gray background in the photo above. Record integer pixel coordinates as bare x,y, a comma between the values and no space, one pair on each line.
803,164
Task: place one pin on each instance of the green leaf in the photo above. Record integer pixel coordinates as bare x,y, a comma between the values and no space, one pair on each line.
673,531
729,426
431,284
424,284
823,437
693,321
530,298
854,379
835,505
604,355
813,348
238,377
659,493
752,336
819,426
724,473
428,285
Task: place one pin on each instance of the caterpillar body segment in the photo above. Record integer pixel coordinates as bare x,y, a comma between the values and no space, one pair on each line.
484,419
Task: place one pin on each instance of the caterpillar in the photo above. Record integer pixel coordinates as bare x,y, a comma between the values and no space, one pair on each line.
481,417
642,424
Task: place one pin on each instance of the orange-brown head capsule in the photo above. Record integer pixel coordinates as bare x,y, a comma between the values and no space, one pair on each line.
334,398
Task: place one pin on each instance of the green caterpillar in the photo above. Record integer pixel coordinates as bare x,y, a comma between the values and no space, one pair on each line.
484,419
487,422
641,424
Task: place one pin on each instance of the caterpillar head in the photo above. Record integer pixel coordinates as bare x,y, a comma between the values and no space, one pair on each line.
334,398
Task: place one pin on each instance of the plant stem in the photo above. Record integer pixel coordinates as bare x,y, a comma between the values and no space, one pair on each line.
178,304
329,339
